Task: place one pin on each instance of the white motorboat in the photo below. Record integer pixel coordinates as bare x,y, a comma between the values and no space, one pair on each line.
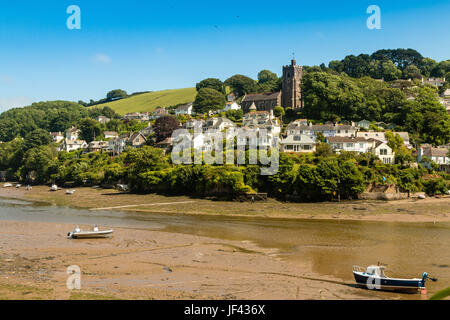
7,185
54,188
70,191
77,233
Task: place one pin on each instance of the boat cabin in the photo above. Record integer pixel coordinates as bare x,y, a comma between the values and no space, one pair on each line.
376,271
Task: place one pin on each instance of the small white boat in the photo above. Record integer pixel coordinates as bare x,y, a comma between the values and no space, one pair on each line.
77,233
70,191
7,185
18,186
54,188
29,188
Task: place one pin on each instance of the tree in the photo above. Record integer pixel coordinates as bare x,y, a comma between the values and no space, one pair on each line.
116,94
267,76
241,85
90,130
279,111
36,138
330,98
211,83
208,99
323,150
42,161
165,126
412,72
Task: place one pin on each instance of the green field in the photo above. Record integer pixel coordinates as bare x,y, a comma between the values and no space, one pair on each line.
148,102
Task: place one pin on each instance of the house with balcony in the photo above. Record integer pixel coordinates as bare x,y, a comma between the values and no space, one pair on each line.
300,143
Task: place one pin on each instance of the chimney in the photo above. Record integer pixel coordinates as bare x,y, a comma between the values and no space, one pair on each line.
294,62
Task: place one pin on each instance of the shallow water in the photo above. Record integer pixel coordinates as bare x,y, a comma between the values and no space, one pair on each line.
324,247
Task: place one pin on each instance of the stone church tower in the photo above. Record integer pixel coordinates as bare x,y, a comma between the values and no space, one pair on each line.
291,95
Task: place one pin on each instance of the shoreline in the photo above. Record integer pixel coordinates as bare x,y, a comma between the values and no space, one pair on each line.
430,210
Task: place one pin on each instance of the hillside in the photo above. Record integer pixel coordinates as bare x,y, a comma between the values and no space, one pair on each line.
148,102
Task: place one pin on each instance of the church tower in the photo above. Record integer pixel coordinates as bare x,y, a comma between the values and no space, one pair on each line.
292,79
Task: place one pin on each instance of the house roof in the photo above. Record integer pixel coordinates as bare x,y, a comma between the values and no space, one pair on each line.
304,139
261,96
435,152
345,139
110,133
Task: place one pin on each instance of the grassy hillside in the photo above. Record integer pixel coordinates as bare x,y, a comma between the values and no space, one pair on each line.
148,102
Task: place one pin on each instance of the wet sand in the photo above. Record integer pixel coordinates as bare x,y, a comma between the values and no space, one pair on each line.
411,210
140,264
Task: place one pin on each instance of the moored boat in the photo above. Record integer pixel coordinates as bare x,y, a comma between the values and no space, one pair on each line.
374,278
77,233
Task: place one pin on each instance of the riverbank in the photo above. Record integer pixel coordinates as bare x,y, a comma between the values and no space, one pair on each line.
410,210
142,264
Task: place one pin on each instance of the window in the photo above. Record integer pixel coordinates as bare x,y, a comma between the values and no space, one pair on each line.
349,145
383,152
307,147
297,138
361,145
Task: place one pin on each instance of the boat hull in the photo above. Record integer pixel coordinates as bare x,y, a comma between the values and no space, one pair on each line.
91,235
388,284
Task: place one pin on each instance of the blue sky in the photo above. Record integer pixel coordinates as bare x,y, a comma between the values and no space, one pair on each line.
154,45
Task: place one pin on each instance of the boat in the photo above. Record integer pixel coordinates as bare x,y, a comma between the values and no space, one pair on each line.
7,185
54,188
18,186
77,233
70,191
374,278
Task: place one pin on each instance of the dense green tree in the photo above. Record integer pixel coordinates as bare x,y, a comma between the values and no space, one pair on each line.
36,138
329,97
90,129
116,94
208,99
211,83
241,85
267,76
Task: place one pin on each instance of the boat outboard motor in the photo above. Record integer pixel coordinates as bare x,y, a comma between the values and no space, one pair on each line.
425,277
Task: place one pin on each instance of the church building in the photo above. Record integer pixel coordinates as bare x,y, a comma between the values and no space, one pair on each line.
289,97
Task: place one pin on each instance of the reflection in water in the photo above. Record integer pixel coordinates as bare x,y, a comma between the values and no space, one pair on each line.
322,246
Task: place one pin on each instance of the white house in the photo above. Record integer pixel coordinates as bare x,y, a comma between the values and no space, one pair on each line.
299,143
365,124
350,144
328,130
438,155
185,110
57,136
110,134
231,106
384,152
71,145
218,124
72,133
372,135
103,119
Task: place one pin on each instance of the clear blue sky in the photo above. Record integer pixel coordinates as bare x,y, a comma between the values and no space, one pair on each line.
154,45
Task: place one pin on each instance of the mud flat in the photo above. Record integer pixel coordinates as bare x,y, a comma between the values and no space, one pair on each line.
409,210
140,264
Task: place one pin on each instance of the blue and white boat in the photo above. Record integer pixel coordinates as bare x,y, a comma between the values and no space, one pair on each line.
375,279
